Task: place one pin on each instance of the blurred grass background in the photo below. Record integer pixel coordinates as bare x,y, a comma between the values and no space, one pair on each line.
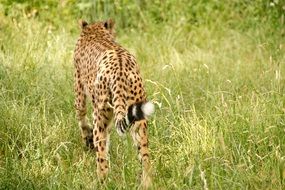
215,70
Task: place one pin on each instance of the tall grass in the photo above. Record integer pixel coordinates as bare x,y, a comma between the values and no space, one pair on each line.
215,71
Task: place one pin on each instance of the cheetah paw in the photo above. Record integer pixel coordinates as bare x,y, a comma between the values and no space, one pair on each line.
89,142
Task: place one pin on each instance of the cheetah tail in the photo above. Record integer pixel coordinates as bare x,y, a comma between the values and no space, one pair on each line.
139,111
136,112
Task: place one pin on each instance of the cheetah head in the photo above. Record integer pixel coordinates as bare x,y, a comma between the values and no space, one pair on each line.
102,28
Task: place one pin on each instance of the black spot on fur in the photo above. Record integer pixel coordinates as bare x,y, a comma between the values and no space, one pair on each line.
145,155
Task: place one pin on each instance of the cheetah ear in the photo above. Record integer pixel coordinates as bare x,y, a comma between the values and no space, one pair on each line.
82,23
109,24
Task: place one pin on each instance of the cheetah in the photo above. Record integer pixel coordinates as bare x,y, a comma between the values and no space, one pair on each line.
109,75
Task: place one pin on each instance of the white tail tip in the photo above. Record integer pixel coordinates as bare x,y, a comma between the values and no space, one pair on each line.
148,109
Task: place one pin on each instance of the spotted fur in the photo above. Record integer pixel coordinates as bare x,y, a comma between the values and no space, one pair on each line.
109,75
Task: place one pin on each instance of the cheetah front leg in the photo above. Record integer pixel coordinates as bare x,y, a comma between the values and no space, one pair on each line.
140,138
81,112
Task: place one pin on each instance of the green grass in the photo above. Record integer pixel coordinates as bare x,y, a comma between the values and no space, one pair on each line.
215,71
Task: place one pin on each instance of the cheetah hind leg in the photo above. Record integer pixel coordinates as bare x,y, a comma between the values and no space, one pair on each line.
81,111
140,138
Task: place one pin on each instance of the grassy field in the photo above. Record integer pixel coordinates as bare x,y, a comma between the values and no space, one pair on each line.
214,69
